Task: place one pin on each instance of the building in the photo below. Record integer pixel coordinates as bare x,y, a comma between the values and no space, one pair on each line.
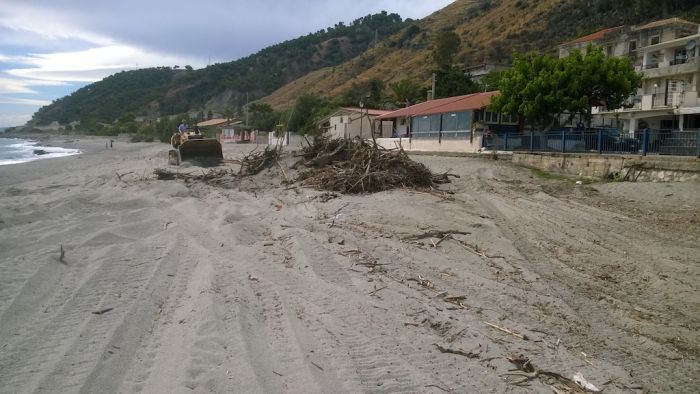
479,72
351,122
666,53
453,124
236,132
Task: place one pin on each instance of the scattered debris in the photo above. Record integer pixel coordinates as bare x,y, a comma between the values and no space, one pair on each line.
435,234
530,372
255,162
121,175
457,351
581,381
62,256
337,214
507,331
423,282
102,311
377,290
214,177
438,387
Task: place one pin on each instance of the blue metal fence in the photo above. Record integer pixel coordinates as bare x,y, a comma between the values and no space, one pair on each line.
657,142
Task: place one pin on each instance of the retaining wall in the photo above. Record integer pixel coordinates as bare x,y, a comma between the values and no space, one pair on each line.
627,167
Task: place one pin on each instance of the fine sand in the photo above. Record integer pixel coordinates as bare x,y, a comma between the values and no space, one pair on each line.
261,287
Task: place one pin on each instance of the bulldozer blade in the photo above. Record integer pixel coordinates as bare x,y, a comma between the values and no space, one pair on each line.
204,150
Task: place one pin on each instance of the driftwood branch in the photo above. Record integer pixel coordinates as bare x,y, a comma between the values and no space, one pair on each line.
62,256
456,351
435,234
507,331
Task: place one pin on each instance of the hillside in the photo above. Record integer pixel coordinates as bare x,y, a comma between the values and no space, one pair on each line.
377,47
491,31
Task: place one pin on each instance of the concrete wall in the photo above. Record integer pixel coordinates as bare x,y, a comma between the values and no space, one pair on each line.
639,168
432,145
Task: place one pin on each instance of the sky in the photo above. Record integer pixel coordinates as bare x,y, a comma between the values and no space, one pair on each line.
51,48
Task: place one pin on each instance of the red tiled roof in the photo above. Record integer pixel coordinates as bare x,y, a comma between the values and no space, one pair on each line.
441,106
212,122
594,36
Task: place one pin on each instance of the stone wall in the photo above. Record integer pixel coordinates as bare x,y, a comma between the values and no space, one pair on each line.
627,167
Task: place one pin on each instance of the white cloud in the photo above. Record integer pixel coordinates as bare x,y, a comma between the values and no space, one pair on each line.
93,64
23,101
23,86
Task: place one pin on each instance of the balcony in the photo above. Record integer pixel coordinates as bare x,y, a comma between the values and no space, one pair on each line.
664,101
670,68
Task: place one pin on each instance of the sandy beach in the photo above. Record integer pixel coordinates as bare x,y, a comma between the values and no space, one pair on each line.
166,286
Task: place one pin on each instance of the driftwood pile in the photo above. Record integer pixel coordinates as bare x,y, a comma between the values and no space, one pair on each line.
336,165
357,166
255,162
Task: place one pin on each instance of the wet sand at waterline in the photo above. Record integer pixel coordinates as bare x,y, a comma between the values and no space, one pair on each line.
259,286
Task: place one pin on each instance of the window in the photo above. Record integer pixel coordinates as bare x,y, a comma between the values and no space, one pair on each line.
509,119
609,50
490,117
456,121
427,126
633,46
341,119
655,40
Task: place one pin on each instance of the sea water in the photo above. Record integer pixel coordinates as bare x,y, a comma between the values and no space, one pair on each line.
17,150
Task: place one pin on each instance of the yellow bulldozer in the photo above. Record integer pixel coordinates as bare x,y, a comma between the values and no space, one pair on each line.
194,146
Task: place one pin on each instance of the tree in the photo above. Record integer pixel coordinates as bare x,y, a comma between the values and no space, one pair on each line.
262,117
598,81
307,110
405,92
532,89
376,94
228,114
452,81
541,88
492,81
445,46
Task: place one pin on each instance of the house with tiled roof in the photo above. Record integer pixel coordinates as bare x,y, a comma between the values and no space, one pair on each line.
452,124
600,38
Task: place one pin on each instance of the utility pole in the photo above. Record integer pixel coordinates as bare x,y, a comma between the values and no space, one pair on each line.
432,94
246,109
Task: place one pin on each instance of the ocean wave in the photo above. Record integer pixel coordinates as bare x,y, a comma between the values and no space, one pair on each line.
15,151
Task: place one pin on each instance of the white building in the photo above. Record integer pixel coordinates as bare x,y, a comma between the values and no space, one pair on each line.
666,53
351,122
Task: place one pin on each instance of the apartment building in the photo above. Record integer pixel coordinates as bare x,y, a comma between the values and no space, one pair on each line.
666,52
